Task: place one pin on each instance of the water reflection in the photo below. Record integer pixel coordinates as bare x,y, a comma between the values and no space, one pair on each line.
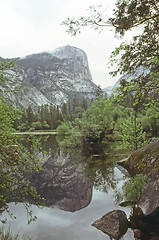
67,177
63,183
66,181
56,224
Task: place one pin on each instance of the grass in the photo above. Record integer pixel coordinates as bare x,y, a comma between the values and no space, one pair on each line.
7,235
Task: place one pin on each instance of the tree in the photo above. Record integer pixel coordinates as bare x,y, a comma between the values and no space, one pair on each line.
143,50
151,118
136,92
64,109
132,135
140,54
29,116
128,14
97,121
99,92
75,102
84,104
16,163
96,20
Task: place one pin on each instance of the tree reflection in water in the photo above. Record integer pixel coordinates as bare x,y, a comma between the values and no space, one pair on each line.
68,175
97,161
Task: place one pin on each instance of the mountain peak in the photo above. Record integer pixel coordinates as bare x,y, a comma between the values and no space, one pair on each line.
70,52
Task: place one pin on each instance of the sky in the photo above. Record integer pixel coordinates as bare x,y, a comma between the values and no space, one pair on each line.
33,26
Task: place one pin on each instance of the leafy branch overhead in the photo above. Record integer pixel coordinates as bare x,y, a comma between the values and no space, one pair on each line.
138,59
128,14
96,20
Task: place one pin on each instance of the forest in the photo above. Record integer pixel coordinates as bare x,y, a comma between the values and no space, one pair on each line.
130,115
122,117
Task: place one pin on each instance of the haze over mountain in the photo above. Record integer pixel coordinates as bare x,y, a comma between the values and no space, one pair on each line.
141,71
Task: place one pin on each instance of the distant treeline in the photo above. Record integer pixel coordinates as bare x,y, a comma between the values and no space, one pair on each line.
49,117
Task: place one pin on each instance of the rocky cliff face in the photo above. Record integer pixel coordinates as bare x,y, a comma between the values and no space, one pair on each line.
51,78
141,71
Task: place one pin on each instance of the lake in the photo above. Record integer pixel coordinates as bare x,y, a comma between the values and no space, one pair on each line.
79,187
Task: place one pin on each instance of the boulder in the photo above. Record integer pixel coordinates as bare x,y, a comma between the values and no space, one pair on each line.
150,193
146,226
114,224
143,160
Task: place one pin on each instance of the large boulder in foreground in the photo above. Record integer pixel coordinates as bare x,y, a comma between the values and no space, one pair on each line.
150,194
114,224
143,160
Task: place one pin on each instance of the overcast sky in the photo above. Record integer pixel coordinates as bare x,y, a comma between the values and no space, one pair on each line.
33,26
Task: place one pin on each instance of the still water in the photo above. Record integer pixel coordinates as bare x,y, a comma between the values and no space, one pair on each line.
79,188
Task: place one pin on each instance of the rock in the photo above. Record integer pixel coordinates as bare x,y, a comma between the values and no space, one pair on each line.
145,226
143,160
137,233
128,77
150,194
46,78
114,224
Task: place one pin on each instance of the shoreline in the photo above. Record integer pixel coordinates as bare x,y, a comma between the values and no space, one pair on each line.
35,133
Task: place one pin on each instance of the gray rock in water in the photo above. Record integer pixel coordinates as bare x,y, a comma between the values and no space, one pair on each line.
150,194
114,224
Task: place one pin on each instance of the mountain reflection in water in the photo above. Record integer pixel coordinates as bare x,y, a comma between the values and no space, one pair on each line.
81,184
63,183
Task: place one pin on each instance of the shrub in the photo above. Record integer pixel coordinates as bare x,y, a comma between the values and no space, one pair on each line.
132,189
63,129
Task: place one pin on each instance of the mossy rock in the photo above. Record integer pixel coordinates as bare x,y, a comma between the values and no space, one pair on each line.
143,160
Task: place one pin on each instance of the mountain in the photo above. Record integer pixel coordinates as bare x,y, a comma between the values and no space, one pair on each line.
50,77
141,71
109,90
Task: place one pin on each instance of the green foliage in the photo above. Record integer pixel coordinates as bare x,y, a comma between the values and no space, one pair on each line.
72,141
141,54
49,117
143,50
99,92
111,116
68,136
128,14
128,136
151,118
3,66
92,123
36,125
132,189
16,162
63,129
97,121
135,93
96,20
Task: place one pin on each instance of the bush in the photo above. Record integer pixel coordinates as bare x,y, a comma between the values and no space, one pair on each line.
133,188
72,141
63,129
